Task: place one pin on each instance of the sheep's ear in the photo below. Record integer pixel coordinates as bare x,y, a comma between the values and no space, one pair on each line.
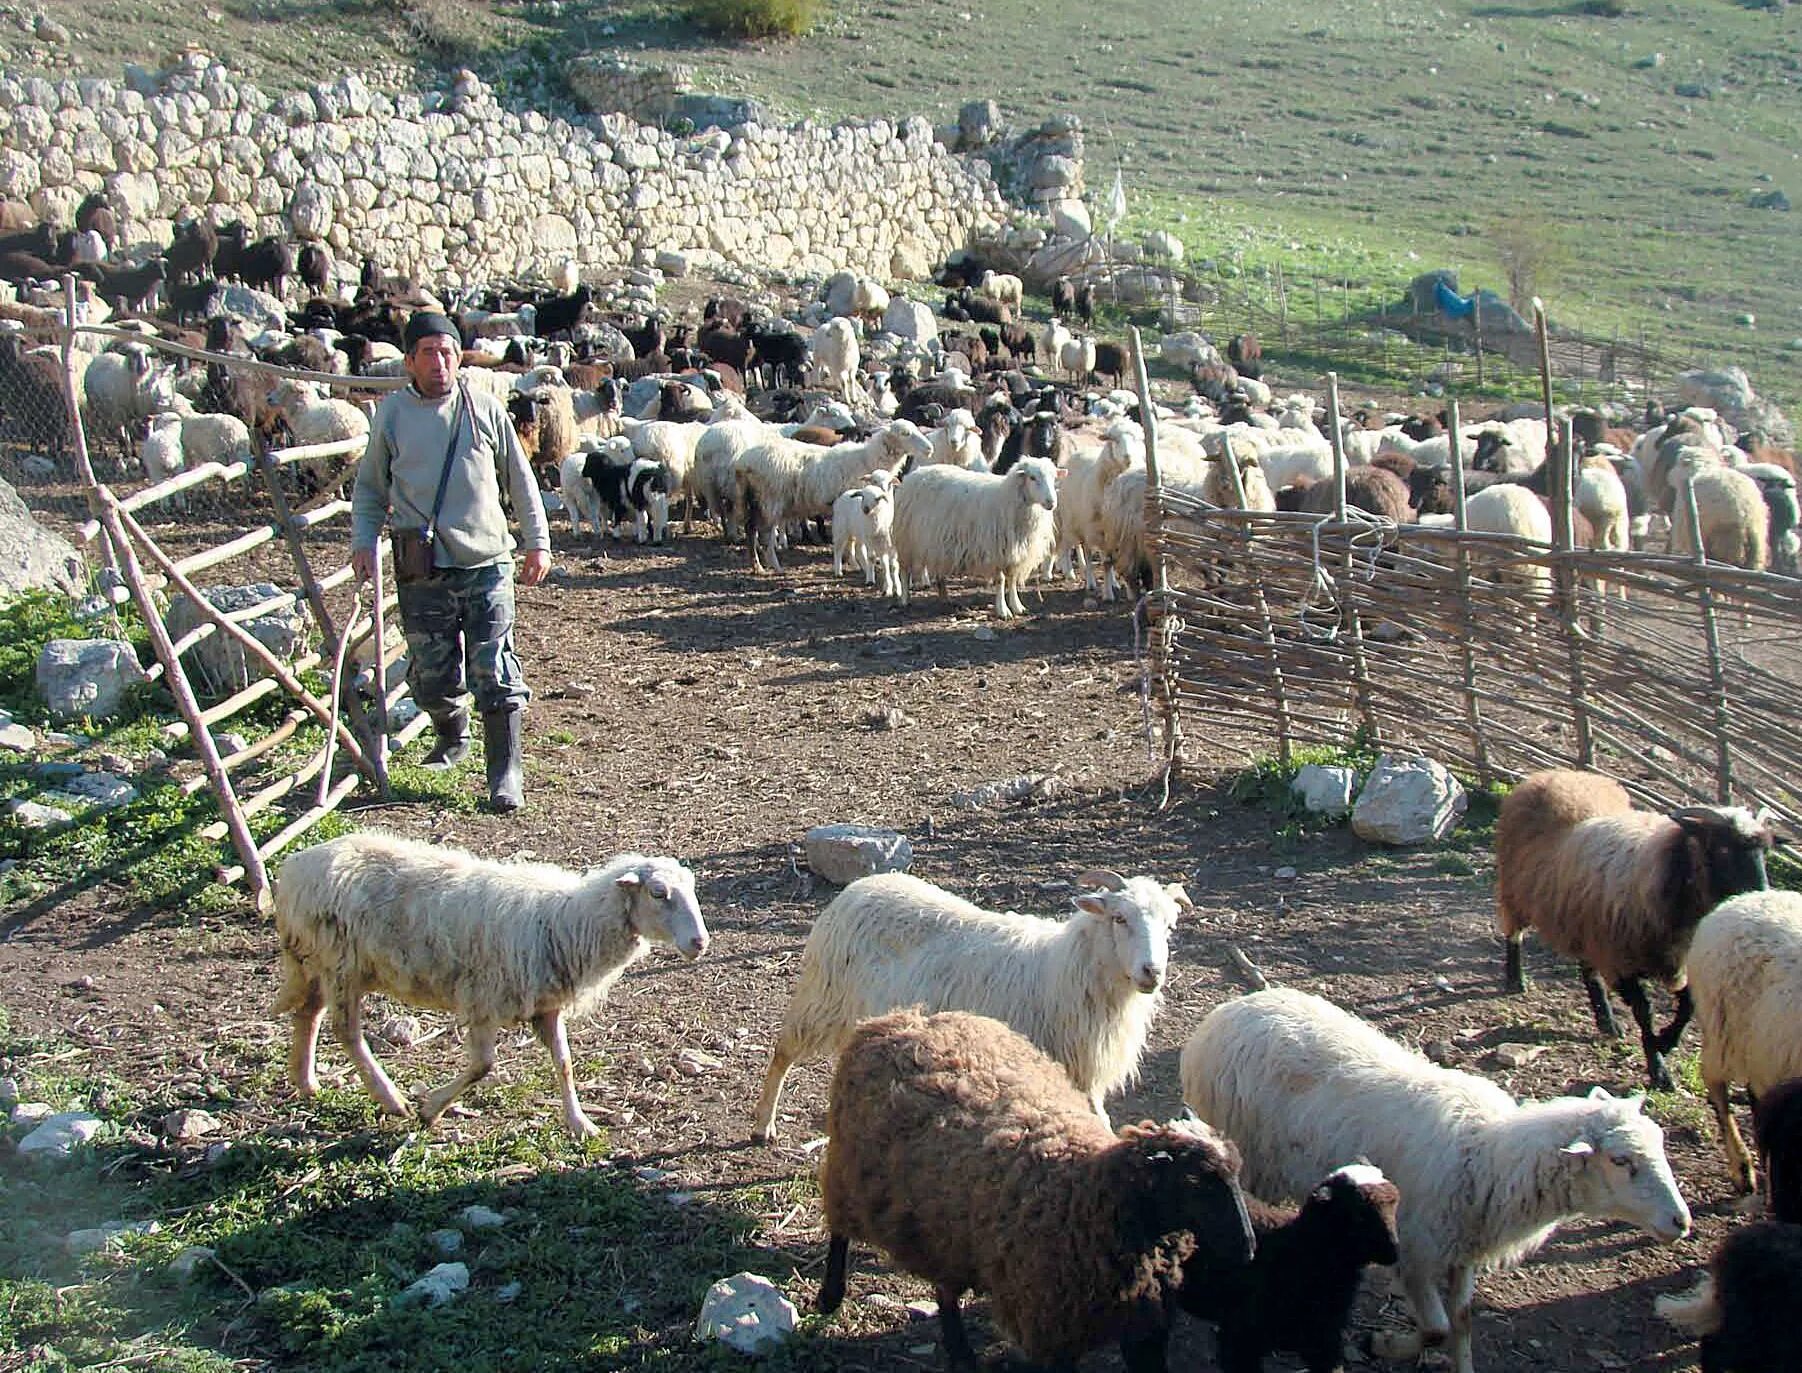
1636,1103
1093,903
1178,895
1600,1094
627,880
1578,1148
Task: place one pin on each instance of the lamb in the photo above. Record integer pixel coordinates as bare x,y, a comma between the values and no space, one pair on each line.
313,418
960,523
835,357
863,522
493,943
780,479
120,389
1619,890
1730,509
1745,1309
1298,1290
963,1151
1003,288
672,444
161,453
957,441
1083,989
1745,967
580,496
1301,1085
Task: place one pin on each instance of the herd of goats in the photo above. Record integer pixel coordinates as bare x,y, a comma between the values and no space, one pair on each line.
968,1132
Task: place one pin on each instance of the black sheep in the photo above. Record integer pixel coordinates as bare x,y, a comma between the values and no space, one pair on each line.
1063,298
723,342
17,265
1246,355
1296,1294
229,244
313,264
728,311
191,300
782,351
979,309
130,288
38,241
1777,1131
267,263
646,338
95,214
1111,361
1021,343
1041,436
191,253
560,314
1085,302
1745,1311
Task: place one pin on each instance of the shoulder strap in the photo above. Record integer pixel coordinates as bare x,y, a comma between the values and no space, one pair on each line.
450,452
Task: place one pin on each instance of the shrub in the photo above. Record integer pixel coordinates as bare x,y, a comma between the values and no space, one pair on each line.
757,18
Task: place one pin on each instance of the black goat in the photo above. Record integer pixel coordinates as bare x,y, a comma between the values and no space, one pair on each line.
1745,1311
560,314
230,241
1063,298
313,264
1085,302
1041,436
1111,361
782,352
130,288
268,262
191,253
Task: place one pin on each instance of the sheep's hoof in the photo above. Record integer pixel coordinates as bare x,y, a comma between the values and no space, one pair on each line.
762,1136
1660,1076
583,1128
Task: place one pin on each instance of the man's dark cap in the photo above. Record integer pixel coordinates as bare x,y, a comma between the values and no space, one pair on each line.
423,324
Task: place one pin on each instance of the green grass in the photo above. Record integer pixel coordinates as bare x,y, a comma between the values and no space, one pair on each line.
320,1223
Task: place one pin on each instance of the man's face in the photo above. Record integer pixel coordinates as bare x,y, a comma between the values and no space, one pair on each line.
432,365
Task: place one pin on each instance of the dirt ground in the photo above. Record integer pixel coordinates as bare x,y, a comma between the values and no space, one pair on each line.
685,706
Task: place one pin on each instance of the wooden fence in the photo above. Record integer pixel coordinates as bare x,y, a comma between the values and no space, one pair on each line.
1492,653
264,513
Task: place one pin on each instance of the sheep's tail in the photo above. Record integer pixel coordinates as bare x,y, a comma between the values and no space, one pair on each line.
1697,1311
298,986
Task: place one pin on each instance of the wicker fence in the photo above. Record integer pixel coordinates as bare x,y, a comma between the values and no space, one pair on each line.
1495,654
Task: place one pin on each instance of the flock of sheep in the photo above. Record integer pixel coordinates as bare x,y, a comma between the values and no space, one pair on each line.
968,1137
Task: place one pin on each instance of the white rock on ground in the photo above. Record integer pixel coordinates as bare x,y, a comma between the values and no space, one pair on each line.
1408,801
746,1312
187,1265
189,1124
87,676
34,815
480,1218
843,853
436,1287
60,1135
1325,790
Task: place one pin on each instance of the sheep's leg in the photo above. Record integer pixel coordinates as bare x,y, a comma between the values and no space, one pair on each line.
958,1354
782,1058
1432,1326
551,1034
1013,597
1002,612
347,1024
302,1053
1097,1101
479,1064
1633,992
1461,1288
1598,1003
832,1286
1680,1017
1739,1161
1513,978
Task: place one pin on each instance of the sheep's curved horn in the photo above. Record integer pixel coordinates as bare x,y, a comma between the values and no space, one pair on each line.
1104,878
1698,814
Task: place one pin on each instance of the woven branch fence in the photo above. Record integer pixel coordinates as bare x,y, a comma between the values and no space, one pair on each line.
1494,654
280,516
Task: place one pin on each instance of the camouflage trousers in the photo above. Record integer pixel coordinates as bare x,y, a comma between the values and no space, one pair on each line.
459,624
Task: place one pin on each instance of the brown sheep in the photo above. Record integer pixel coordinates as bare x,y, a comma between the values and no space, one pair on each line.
966,1154
1374,490
1619,890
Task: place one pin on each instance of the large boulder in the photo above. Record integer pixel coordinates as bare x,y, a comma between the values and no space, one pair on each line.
218,662
31,557
1728,390
89,677
843,853
911,320
1408,801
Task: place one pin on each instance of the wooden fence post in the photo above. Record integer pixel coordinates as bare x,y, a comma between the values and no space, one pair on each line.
1348,609
1717,668
1160,622
1564,490
1473,713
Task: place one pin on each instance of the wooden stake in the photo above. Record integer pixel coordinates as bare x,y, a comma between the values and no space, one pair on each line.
1467,651
1717,669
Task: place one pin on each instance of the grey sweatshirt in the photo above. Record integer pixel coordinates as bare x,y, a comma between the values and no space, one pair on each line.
401,466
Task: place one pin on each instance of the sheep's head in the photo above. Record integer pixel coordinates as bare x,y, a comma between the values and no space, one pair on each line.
1724,851
904,441
1185,1176
1617,1155
1140,912
661,905
1358,1204
1036,481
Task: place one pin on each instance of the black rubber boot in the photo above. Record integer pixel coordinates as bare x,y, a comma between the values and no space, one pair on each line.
502,736
452,745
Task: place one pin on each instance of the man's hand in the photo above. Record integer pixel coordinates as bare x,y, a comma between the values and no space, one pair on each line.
535,566
362,563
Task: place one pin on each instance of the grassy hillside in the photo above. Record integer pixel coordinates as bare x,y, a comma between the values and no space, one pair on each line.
1373,137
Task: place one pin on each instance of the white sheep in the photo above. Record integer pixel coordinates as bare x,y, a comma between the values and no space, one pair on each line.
120,389
957,441
1731,510
863,524
710,479
1077,357
672,443
1052,341
955,522
780,480
580,498
493,943
1088,474
1002,287
1509,509
161,453
1083,989
1301,1086
834,357
1745,973
313,418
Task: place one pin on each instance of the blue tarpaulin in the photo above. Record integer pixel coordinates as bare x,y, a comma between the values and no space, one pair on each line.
1453,304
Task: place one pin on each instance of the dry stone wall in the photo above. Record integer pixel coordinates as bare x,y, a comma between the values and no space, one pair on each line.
455,187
